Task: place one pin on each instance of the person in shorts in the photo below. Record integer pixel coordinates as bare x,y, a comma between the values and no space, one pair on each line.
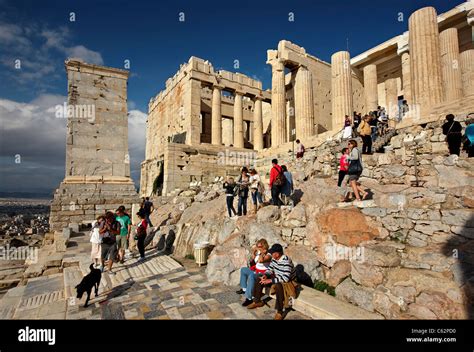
108,231
125,227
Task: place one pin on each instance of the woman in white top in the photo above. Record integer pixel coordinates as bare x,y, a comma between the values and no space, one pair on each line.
258,265
96,241
255,189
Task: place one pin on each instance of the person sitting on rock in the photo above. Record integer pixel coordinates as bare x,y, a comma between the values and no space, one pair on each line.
281,277
258,266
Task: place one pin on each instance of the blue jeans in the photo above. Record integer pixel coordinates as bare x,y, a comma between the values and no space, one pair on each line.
242,206
147,218
256,196
247,281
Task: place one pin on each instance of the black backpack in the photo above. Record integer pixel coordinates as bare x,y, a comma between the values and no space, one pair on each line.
280,179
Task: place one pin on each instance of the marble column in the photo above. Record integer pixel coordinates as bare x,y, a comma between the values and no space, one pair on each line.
227,131
216,132
304,105
370,88
404,53
425,63
406,79
450,67
238,121
278,120
258,124
466,62
391,97
341,83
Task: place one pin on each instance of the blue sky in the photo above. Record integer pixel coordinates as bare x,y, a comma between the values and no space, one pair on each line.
150,35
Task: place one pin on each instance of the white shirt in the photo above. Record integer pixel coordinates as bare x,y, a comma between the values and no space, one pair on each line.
254,180
260,266
95,236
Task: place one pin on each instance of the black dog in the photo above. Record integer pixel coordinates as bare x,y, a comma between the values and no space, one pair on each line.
88,282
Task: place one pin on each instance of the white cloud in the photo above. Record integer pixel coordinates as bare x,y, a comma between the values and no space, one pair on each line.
37,47
32,131
81,52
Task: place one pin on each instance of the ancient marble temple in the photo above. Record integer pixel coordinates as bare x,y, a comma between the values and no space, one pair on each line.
202,111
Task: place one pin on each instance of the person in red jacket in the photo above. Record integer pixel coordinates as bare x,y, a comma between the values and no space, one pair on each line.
277,180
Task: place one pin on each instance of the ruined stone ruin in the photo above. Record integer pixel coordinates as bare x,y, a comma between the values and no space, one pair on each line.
97,160
203,112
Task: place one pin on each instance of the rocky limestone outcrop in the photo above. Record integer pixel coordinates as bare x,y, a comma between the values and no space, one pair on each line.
408,252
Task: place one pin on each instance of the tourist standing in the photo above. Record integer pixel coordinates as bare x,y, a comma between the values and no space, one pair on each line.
280,275
229,187
277,181
355,170
243,183
373,121
365,132
343,167
357,121
141,234
258,265
452,129
299,149
125,228
287,189
469,137
148,208
347,128
255,190
109,229
95,240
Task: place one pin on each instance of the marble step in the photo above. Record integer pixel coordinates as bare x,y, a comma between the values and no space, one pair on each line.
319,305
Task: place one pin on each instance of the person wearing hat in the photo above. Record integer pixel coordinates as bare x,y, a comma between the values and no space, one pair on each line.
280,276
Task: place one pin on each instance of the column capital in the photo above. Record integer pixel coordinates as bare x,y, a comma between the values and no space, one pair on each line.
277,64
239,92
470,18
402,44
218,86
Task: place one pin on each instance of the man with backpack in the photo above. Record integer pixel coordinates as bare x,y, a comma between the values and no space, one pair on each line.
277,181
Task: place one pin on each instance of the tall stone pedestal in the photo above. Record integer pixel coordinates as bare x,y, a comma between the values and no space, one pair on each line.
97,176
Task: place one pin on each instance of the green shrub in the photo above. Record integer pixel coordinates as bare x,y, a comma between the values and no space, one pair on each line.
189,256
324,287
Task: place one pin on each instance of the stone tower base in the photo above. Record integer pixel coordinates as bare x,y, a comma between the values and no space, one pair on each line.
81,199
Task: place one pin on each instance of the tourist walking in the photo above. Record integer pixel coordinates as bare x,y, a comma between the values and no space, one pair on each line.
229,187
452,130
142,227
343,167
243,183
355,170
365,132
258,265
108,230
148,208
255,190
125,228
287,189
280,275
347,133
299,149
277,181
96,240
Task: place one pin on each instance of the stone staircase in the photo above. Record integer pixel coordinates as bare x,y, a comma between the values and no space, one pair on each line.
48,297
